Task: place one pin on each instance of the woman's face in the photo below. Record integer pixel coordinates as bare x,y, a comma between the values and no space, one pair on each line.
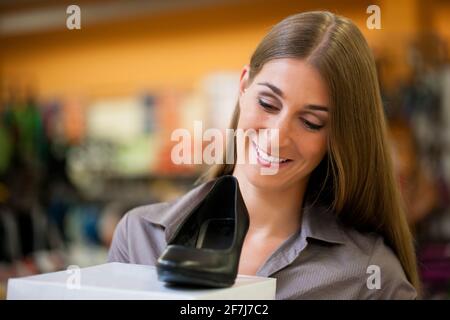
291,96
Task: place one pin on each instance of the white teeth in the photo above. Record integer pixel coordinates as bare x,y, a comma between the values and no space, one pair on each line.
266,157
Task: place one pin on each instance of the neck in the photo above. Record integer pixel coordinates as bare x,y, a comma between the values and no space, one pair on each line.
273,212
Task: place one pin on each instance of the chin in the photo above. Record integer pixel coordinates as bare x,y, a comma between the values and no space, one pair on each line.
254,176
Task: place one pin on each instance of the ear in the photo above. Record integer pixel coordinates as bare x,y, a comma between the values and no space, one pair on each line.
243,83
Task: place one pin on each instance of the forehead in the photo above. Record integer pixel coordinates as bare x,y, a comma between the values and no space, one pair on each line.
296,78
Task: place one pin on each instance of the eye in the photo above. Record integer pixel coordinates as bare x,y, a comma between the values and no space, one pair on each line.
267,106
312,126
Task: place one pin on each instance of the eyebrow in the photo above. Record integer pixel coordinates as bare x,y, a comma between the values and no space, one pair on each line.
280,93
275,89
316,107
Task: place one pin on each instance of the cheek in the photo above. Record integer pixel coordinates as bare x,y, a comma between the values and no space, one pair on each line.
250,118
312,146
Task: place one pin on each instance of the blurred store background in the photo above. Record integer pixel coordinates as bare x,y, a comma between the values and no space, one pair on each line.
86,115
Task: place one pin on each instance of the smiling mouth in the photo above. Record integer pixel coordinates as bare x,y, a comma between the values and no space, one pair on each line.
267,158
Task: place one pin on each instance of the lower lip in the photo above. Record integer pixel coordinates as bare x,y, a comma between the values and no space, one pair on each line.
267,164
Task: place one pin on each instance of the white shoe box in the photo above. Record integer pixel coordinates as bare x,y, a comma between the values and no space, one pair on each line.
120,281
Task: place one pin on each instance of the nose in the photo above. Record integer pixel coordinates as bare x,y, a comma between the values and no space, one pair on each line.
283,124
279,135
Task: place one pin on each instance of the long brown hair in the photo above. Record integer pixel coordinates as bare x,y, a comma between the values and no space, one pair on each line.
361,188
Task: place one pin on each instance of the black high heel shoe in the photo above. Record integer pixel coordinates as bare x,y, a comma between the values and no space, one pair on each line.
206,248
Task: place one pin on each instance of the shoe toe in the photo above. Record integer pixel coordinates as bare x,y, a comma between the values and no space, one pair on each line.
204,260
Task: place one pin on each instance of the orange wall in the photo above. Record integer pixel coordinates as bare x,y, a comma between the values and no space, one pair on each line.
177,49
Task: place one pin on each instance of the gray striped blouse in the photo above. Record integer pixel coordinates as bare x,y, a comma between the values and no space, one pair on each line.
324,260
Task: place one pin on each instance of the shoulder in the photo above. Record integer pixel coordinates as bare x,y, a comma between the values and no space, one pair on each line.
141,215
138,229
142,233
382,275
166,214
153,213
169,214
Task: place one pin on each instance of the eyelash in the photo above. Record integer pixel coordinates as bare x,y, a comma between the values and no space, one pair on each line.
269,108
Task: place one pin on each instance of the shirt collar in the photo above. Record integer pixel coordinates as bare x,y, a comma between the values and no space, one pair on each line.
321,223
318,222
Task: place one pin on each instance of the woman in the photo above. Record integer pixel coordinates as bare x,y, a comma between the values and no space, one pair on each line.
330,224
